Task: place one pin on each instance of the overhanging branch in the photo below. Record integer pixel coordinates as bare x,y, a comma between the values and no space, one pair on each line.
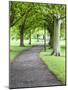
11,25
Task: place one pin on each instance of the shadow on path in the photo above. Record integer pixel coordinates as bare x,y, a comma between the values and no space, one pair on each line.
29,71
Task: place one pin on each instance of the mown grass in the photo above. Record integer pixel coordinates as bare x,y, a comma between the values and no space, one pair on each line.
56,64
26,42
15,51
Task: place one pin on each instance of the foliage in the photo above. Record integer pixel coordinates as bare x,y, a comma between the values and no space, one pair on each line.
14,33
34,17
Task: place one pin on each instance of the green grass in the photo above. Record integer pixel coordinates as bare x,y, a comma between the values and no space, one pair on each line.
56,64
26,42
15,51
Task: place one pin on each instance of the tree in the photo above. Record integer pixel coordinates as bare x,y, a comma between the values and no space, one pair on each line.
56,48
29,16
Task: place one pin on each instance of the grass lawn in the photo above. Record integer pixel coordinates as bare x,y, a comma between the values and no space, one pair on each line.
16,50
56,64
26,42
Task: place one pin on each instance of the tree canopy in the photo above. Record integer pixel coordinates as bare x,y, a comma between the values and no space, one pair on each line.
28,18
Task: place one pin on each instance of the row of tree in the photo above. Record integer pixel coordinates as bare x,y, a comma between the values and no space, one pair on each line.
28,18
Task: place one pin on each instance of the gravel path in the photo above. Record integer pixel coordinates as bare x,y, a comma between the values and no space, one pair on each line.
29,71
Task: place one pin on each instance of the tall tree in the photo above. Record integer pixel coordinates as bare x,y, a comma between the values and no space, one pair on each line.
22,35
56,48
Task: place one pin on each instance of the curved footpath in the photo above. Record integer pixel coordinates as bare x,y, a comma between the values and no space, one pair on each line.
29,71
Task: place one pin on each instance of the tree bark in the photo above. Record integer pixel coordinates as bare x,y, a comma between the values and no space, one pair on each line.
51,32
22,36
30,38
44,39
37,37
56,47
51,40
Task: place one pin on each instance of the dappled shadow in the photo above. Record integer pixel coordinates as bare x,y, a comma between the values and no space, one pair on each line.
47,55
54,55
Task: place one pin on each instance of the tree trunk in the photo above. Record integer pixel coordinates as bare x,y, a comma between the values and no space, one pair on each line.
44,39
30,38
51,40
56,47
22,36
51,32
37,37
